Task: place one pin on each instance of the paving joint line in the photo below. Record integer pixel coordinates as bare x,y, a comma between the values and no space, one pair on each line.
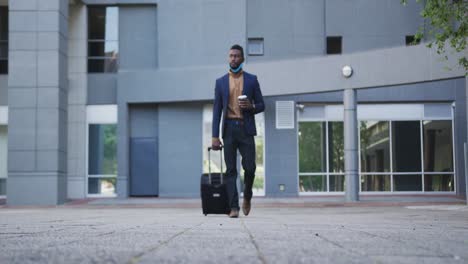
398,240
260,255
336,244
136,258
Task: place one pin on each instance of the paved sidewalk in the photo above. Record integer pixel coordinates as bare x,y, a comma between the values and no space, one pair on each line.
114,234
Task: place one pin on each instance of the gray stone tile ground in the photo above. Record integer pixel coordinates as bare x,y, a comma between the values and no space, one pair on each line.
90,234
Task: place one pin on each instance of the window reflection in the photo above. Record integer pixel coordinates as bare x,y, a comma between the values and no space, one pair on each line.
336,146
3,23
3,39
315,183
407,182
3,49
103,23
103,49
312,147
406,137
3,158
375,146
102,150
439,183
337,183
103,45
102,65
375,183
438,147
104,186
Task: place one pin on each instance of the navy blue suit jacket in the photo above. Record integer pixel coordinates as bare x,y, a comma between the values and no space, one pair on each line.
251,89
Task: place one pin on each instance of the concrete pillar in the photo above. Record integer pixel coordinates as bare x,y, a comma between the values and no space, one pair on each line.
466,141
77,92
123,172
37,98
351,145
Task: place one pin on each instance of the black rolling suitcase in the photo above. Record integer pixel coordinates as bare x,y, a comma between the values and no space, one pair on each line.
213,191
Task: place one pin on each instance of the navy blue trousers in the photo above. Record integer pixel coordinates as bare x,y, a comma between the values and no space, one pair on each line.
235,139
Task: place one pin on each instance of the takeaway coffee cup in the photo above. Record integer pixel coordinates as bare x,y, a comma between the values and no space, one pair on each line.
242,97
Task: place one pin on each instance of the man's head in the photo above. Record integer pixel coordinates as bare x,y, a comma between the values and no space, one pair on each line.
236,56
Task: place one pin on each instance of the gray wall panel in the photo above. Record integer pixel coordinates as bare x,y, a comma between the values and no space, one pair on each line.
368,24
281,163
293,28
199,32
180,149
138,37
393,66
143,120
444,90
102,89
3,89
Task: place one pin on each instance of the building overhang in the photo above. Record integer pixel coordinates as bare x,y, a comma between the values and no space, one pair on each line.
376,68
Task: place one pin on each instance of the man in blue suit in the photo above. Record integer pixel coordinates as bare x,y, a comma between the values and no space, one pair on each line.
238,126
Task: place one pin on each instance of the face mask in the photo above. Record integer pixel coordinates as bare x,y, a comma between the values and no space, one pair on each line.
236,70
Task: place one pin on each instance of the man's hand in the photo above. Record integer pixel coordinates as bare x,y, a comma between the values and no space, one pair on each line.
245,104
216,144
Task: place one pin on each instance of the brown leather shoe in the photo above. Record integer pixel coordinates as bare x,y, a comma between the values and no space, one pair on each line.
234,213
246,207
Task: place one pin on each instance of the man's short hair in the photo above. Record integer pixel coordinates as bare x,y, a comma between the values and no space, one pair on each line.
239,48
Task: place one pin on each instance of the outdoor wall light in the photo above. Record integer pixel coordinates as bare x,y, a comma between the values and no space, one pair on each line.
347,71
300,106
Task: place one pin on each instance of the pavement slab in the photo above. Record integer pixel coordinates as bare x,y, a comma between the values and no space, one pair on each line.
367,234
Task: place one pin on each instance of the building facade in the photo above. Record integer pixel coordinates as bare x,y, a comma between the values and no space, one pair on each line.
112,98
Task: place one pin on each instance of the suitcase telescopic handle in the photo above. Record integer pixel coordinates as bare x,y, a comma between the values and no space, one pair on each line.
209,163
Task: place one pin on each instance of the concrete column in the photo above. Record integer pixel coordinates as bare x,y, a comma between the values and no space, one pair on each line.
351,145
77,128
123,149
37,98
466,141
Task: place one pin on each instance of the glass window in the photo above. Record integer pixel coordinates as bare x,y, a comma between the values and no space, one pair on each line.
102,65
103,37
312,150
375,183
3,187
255,46
410,40
313,153
3,158
259,181
315,183
375,146
337,183
3,49
103,186
407,182
103,49
406,140
3,39
438,146
102,158
336,146
439,183
3,22
334,45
